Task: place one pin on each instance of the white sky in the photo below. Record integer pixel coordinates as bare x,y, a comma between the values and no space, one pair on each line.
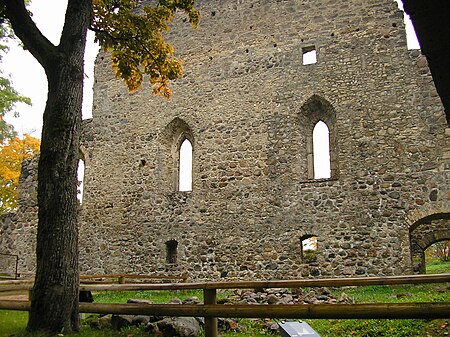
28,76
29,79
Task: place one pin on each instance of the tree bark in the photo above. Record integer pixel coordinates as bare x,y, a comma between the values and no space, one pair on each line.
54,300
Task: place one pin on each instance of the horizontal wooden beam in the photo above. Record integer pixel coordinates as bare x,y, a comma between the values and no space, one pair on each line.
331,282
17,287
9,282
312,311
135,276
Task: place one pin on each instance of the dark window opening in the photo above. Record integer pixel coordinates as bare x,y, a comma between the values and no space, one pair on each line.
171,251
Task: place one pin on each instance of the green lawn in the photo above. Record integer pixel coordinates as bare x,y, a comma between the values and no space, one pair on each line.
14,322
437,267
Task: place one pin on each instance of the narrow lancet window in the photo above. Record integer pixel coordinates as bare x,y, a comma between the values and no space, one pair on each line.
80,179
321,151
185,172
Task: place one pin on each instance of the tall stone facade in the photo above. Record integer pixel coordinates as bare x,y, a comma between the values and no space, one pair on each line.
248,105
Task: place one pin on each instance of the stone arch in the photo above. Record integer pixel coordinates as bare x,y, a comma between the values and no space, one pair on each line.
173,136
430,211
427,225
317,109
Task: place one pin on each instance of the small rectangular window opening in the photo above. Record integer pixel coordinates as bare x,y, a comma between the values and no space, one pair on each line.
308,246
309,55
171,251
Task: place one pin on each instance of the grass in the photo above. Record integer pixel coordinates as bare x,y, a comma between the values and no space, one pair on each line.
14,322
154,296
437,267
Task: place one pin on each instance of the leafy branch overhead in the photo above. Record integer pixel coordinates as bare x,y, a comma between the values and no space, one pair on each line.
134,35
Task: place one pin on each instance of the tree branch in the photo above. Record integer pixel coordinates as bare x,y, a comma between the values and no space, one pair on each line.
77,20
26,30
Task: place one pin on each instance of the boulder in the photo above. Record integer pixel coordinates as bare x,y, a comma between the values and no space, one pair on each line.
179,327
119,322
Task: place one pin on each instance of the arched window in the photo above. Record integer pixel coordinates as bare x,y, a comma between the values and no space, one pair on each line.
317,119
178,144
185,166
321,151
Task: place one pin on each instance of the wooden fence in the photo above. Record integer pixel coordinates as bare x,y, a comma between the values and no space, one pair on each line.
122,278
211,310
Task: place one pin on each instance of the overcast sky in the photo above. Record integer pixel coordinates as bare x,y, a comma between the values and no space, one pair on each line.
29,79
28,76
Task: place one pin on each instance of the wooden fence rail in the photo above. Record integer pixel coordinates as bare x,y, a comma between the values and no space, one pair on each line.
329,282
328,311
122,278
210,310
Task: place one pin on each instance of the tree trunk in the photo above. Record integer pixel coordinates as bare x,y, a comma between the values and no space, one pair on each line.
54,299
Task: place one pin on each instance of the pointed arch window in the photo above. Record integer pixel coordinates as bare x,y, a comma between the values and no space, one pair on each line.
185,166
321,151
178,144
317,119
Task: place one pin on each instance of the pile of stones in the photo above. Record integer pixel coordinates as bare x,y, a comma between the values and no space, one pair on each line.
287,296
190,326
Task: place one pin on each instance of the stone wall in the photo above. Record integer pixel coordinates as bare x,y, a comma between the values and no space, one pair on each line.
18,229
248,106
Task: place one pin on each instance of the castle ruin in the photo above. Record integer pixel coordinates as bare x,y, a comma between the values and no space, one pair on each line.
248,105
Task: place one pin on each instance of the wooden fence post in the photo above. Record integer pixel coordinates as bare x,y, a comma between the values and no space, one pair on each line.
209,297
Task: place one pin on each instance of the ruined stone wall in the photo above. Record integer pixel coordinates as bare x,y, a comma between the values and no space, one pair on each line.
18,229
248,106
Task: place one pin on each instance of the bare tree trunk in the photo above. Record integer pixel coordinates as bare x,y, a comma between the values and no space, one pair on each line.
54,300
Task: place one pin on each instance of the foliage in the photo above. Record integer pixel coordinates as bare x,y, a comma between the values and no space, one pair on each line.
12,155
136,41
439,250
309,256
8,95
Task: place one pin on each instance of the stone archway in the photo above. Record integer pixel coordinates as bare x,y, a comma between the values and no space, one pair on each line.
427,226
